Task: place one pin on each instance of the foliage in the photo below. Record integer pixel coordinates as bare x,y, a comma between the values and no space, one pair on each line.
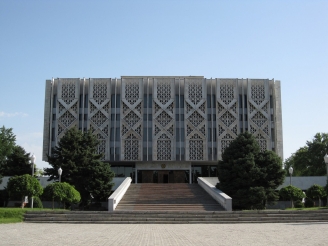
17,163
315,192
291,193
7,143
4,198
62,192
11,215
248,175
308,160
82,167
298,204
24,185
37,203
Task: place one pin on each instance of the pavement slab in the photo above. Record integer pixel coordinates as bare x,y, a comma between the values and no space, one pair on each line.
164,234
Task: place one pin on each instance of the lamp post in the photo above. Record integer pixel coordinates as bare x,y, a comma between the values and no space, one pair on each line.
60,171
32,162
291,173
290,183
326,161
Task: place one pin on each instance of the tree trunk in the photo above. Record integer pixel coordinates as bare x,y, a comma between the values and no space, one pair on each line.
23,201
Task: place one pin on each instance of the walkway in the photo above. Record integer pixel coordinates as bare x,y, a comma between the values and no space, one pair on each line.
165,234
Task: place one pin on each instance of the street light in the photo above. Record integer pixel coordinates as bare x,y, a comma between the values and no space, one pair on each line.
290,183
291,173
60,171
326,161
32,162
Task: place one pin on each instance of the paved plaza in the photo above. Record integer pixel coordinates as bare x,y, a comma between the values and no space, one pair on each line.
164,234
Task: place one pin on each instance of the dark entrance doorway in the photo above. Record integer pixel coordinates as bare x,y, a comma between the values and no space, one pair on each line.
165,178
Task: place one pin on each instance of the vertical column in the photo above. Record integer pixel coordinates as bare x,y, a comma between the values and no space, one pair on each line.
278,119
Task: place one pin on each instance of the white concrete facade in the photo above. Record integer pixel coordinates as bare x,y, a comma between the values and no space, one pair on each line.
148,121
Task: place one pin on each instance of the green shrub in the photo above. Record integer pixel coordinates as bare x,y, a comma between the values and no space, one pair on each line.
308,203
37,203
298,204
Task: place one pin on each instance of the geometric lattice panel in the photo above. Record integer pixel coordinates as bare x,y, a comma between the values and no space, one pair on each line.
227,113
99,113
163,123
195,123
131,119
67,114
259,118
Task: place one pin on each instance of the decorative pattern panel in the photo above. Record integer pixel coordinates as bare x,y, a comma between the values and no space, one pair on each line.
67,114
227,114
163,123
99,113
131,119
258,108
195,120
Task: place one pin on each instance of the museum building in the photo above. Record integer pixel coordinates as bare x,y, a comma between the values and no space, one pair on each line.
164,129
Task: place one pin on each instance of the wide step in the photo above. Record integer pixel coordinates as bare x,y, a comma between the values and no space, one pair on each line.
170,197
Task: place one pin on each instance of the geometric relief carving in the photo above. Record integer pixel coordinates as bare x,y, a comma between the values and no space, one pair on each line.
99,115
131,123
163,123
132,92
259,119
131,149
227,93
195,102
60,129
164,119
227,123
258,93
227,118
225,142
164,92
164,150
262,142
195,118
68,91
67,119
74,108
132,118
99,91
61,108
92,107
195,92
99,118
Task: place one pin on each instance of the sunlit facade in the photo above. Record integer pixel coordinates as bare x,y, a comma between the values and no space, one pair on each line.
164,128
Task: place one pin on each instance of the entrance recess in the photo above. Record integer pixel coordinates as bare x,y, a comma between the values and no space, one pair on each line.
163,176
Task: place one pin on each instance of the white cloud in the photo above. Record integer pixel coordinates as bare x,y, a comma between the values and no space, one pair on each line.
9,115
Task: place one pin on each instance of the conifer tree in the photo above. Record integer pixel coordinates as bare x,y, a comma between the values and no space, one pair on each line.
248,175
76,154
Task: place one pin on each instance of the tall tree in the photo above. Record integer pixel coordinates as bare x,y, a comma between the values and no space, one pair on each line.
308,160
24,185
7,143
248,175
76,154
17,163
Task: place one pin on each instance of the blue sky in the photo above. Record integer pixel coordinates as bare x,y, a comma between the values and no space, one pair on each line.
284,40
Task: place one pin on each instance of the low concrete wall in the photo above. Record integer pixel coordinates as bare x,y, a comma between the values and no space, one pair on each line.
304,182
118,194
219,196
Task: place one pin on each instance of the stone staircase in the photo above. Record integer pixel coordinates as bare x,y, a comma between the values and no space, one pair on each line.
167,197
177,217
173,204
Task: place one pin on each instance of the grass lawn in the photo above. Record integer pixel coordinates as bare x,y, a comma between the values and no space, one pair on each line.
15,215
305,209
11,215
